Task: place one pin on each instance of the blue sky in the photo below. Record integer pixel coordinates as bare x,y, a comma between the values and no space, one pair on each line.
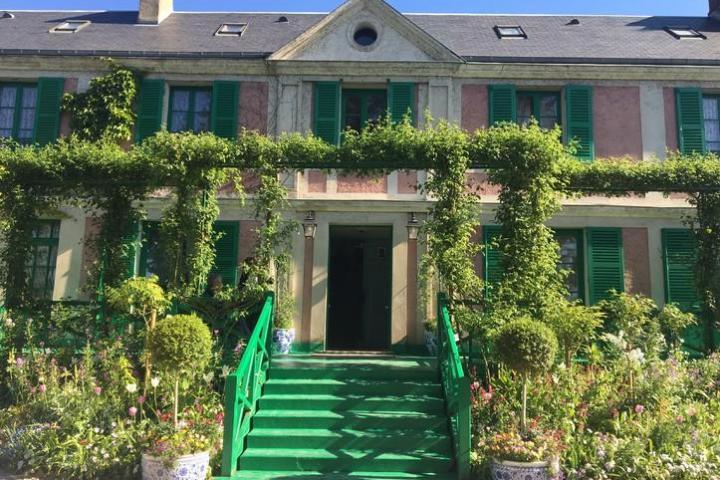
618,7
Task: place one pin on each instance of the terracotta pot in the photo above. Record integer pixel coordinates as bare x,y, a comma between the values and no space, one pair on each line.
187,467
508,470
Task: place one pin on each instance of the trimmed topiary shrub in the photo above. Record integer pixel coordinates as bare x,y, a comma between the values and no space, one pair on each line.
528,348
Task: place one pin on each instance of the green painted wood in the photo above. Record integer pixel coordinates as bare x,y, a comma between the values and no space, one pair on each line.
132,246
690,124
456,387
606,263
150,108
327,111
258,475
579,104
679,258
502,103
226,252
401,101
492,267
224,113
47,113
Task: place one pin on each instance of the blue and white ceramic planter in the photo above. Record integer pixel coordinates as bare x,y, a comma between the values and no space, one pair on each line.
431,343
506,470
188,467
283,340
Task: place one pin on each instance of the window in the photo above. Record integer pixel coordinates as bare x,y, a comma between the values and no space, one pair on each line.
150,252
362,106
572,260
40,264
365,36
543,106
71,26
17,111
711,117
190,109
685,33
232,29
510,31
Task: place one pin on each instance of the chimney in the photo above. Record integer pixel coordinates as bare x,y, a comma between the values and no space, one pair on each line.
714,9
155,11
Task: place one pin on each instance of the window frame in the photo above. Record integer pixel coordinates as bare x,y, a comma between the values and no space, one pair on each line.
537,99
190,114
716,98
364,95
18,108
579,234
48,290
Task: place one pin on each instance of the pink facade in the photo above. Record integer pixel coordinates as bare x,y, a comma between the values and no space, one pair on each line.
347,183
253,109
248,238
617,119
478,183
637,261
474,107
671,135
316,181
407,182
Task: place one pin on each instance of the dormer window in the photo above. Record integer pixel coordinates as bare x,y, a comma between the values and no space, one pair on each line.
510,31
685,33
71,26
232,29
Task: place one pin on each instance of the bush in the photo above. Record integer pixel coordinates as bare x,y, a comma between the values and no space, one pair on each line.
526,346
181,344
575,326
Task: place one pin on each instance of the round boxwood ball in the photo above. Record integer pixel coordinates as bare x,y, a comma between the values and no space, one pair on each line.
181,343
526,346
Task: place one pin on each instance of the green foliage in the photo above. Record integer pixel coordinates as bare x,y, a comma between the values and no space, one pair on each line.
526,346
575,327
674,322
105,110
140,296
180,344
634,319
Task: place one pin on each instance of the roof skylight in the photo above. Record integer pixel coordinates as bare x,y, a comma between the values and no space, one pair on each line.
510,31
232,29
684,32
71,26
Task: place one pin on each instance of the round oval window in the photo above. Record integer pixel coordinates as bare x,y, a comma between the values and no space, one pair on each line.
365,36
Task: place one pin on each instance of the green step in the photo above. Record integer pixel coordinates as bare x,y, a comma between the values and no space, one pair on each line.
349,386
275,475
380,439
343,460
359,420
406,403
309,367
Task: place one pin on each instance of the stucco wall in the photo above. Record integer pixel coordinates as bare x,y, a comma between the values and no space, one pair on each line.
349,183
474,110
671,135
617,119
253,108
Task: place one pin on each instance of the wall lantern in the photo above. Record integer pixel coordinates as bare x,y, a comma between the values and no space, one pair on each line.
413,227
309,225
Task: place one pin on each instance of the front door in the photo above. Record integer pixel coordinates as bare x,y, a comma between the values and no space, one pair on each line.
359,287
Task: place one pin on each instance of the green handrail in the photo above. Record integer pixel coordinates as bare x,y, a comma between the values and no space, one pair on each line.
456,387
243,388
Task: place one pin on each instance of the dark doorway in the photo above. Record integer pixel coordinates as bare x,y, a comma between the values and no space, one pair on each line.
359,284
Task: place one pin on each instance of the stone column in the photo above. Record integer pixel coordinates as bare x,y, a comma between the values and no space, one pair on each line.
309,227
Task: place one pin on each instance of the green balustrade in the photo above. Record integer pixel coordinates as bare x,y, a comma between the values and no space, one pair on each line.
243,388
456,386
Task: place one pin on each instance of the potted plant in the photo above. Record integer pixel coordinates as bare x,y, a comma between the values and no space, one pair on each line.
528,348
180,346
431,342
283,331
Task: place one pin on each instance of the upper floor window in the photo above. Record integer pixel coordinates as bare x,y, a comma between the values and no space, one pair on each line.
190,109
41,263
360,107
17,111
711,116
543,106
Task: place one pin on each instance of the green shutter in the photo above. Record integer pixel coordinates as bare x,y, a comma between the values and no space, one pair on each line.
327,111
492,268
679,257
401,100
150,108
47,115
606,263
579,104
690,124
503,103
225,97
226,252
131,241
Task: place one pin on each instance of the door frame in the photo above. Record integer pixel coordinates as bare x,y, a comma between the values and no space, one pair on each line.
391,230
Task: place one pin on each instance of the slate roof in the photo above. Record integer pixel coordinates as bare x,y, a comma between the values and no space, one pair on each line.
551,39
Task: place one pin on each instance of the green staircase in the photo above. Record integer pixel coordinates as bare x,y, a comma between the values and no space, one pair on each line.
349,417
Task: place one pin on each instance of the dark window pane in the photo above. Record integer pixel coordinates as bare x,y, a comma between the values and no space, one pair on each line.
525,108
202,122
353,105
376,106
570,262
181,101
178,122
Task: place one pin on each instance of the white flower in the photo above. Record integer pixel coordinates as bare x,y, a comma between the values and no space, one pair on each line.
131,387
155,381
636,355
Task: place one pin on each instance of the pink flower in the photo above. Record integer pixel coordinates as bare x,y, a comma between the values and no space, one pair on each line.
98,390
42,388
132,411
141,400
19,361
486,395
639,409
